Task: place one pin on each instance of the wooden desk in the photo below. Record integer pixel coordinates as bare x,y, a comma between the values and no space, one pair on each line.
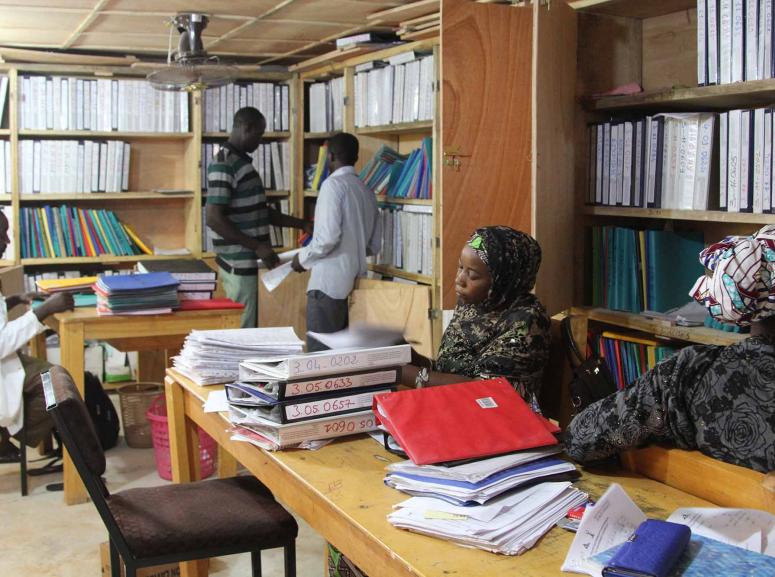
126,333
339,491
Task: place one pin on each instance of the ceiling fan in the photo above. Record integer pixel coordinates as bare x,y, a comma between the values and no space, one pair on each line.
189,67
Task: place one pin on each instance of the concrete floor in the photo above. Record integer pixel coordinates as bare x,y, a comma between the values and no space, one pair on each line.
44,538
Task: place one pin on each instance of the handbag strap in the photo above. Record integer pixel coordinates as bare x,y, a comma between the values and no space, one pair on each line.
571,349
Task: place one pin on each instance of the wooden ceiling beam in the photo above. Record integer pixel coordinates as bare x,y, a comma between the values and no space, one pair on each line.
84,24
250,22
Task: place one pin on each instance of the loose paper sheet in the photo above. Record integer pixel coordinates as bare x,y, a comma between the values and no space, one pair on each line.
608,523
747,528
277,275
216,402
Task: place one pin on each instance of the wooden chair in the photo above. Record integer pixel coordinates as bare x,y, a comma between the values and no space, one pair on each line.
170,523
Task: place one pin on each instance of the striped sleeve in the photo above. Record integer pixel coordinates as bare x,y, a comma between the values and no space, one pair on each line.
220,182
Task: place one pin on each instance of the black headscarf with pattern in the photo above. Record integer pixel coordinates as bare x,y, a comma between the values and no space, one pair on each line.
506,335
512,257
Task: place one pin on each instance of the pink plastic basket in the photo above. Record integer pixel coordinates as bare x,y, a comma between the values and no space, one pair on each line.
157,415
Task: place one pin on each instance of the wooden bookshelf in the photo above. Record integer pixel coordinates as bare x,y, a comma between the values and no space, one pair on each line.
6,197
662,329
400,128
309,193
267,135
397,272
392,200
103,259
277,193
632,8
319,135
70,134
102,196
5,132
712,216
748,94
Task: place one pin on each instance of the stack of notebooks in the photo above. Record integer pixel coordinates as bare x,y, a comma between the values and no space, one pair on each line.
282,402
212,357
136,294
483,470
636,270
197,280
80,287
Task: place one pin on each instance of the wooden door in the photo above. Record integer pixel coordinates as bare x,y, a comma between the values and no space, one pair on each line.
486,111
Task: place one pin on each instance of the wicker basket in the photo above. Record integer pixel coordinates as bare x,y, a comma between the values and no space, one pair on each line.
135,400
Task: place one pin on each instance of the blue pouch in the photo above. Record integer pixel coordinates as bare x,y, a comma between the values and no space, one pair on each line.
652,551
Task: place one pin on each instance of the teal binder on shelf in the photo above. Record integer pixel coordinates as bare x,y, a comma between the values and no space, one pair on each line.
672,267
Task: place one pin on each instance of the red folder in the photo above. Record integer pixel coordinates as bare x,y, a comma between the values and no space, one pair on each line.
221,303
461,421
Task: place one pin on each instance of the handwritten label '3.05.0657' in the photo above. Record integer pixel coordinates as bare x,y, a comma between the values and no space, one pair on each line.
328,406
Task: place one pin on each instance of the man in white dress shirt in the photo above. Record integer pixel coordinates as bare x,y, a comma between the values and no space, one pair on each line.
347,230
20,374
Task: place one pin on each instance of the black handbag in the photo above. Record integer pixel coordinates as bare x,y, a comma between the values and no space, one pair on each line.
591,379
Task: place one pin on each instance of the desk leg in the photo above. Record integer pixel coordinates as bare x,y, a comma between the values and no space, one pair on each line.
38,346
71,342
227,465
184,449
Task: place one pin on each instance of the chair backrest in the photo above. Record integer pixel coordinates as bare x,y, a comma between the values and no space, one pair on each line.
75,426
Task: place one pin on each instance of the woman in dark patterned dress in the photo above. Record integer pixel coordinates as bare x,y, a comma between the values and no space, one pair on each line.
499,328
720,400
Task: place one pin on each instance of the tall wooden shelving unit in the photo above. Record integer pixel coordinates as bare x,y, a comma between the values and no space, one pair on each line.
402,137
160,160
654,44
503,135
290,136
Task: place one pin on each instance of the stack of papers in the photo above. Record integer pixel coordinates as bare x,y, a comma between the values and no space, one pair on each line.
210,357
136,294
478,482
509,525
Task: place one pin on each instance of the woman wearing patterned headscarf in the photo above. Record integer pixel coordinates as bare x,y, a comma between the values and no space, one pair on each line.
499,328
720,400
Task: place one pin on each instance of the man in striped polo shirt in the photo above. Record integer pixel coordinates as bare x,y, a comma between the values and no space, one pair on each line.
239,216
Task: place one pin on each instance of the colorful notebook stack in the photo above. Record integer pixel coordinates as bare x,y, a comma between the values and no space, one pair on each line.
62,231
197,280
628,356
401,176
136,294
634,270
279,403
491,446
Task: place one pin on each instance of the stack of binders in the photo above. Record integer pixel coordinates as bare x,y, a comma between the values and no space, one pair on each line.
197,280
136,294
279,403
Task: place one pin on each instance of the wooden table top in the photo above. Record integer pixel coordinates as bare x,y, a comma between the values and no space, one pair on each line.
339,491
